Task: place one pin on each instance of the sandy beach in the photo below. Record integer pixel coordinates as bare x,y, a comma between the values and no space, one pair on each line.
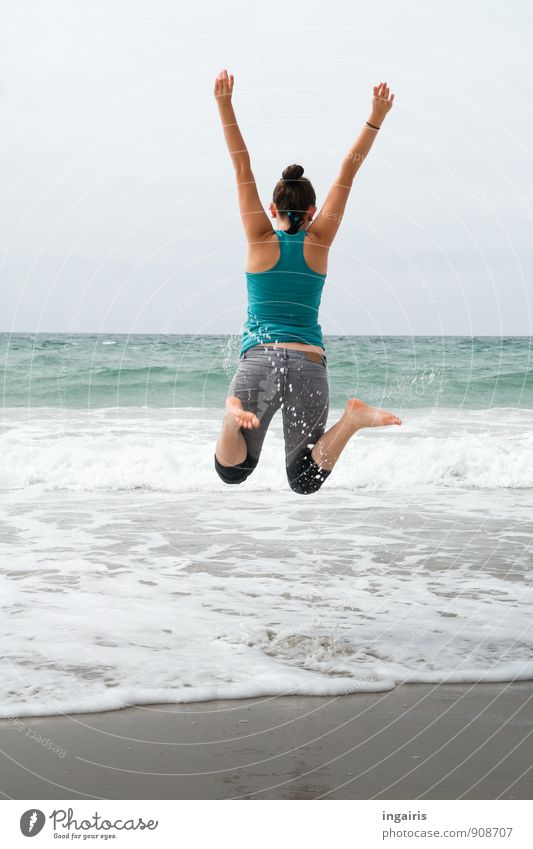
414,742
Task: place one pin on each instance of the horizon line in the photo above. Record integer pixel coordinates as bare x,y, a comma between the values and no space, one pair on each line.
325,335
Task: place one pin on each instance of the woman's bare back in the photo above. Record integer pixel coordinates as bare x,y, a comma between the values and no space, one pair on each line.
264,254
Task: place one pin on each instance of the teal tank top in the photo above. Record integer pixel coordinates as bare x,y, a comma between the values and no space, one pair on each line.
283,302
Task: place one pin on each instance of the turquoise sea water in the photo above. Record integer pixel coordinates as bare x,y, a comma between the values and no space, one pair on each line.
91,371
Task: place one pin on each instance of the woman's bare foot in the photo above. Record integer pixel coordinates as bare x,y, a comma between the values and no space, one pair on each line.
359,415
327,450
241,417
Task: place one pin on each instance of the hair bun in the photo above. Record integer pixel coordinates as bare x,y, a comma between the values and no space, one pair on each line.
293,172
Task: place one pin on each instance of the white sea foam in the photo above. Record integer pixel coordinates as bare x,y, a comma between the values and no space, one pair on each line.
172,451
411,564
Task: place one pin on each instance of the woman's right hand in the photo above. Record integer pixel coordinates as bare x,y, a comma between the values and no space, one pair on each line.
223,87
381,103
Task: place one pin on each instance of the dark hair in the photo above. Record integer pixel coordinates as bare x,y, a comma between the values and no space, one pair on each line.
293,195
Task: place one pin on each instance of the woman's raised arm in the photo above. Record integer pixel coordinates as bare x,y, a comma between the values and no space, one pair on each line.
329,218
254,218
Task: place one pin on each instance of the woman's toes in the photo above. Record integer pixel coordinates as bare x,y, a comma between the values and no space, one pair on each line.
251,421
242,418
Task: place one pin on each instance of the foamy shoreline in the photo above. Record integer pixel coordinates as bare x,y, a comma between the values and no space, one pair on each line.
113,599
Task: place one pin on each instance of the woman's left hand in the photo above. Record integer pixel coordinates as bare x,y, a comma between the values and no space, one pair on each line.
381,103
224,87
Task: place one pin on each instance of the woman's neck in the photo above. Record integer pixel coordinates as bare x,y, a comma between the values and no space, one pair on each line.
304,226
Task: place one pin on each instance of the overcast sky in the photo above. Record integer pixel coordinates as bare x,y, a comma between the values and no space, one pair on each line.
118,206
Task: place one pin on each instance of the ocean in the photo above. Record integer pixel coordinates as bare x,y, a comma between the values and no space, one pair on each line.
130,574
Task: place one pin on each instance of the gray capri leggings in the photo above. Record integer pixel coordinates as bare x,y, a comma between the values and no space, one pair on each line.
269,378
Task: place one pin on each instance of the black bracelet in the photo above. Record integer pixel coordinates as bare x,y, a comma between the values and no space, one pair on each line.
372,125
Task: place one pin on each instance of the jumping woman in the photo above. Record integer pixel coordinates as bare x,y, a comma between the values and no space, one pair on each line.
282,358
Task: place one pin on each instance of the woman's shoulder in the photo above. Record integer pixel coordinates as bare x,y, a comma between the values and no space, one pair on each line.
271,236
312,235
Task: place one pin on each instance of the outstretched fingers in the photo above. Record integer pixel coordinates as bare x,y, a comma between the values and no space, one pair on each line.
223,83
382,91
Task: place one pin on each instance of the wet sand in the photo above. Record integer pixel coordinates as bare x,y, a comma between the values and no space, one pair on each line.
415,742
